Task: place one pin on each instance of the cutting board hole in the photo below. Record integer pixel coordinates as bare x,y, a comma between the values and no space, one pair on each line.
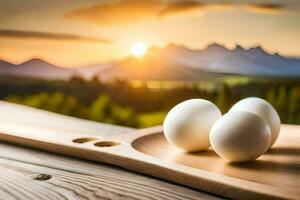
83,140
107,144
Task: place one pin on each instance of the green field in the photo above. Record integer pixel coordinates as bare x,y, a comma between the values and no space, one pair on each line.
143,104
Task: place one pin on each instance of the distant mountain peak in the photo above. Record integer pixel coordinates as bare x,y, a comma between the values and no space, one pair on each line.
259,50
256,48
239,48
33,60
277,54
216,46
174,47
36,68
6,62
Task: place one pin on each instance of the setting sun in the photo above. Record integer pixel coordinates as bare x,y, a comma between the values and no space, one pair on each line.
138,49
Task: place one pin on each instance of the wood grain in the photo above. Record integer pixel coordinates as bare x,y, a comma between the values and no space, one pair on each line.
279,167
70,178
77,179
147,152
27,116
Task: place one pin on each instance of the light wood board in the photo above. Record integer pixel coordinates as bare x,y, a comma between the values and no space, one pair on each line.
77,179
272,176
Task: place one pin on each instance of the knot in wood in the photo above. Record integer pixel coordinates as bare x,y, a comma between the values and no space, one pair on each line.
42,177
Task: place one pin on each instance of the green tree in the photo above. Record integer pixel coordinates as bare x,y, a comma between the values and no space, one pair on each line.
293,106
223,98
100,109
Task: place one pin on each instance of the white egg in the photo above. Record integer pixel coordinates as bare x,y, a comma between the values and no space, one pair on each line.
187,125
263,109
240,136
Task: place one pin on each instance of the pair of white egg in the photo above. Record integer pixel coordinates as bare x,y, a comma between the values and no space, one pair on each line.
243,134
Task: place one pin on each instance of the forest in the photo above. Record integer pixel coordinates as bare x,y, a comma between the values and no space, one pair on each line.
145,104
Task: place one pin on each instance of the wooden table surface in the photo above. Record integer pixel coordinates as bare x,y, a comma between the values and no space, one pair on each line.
32,174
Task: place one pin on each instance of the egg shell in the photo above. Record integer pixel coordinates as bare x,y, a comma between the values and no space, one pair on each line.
240,136
187,125
263,109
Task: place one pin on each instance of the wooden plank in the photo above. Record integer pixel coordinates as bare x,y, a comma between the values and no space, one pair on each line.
143,151
73,178
146,151
76,179
26,116
187,169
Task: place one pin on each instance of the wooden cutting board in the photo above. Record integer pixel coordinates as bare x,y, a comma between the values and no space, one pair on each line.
275,175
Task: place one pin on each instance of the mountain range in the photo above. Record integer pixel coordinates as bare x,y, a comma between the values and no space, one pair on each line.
216,58
174,62
35,68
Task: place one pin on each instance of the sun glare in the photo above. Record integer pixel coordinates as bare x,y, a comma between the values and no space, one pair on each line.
138,49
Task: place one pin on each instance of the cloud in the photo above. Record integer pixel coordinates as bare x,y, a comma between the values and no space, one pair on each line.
49,36
132,11
126,11
176,7
180,6
265,8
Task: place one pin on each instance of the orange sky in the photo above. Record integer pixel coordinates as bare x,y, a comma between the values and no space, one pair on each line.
74,33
